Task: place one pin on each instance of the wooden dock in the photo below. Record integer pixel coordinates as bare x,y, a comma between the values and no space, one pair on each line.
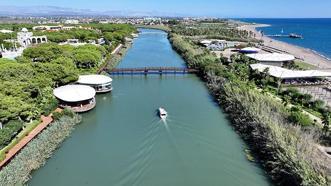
152,70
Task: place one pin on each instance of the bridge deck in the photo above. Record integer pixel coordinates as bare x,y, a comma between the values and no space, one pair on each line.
152,70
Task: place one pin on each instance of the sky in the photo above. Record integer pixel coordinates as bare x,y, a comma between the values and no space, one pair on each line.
214,8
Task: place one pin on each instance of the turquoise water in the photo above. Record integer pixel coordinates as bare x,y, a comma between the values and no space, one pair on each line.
152,49
123,141
316,32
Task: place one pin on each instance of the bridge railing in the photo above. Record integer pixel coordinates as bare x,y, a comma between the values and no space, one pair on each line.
147,70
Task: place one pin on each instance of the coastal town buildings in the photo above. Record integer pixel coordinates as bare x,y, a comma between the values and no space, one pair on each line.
71,21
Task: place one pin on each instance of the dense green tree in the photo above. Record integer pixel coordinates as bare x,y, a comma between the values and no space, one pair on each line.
26,88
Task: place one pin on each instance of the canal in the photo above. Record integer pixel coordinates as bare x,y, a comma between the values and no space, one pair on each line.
123,142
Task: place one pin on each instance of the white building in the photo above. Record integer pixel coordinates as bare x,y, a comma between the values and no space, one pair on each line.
79,98
52,28
275,59
26,38
71,22
48,28
218,45
100,83
283,73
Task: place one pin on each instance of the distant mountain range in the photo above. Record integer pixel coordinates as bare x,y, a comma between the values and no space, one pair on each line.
61,11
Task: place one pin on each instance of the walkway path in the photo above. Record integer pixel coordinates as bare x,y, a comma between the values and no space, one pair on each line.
114,52
20,145
117,49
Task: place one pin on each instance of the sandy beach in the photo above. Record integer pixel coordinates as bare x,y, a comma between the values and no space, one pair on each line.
306,55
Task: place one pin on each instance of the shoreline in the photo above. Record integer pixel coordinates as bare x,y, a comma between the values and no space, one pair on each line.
307,55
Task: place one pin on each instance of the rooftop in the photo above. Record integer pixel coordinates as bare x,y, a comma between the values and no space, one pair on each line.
250,49
273,57
94,79
24,30
74,93
283,73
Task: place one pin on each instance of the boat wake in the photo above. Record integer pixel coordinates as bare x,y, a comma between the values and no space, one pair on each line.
141,160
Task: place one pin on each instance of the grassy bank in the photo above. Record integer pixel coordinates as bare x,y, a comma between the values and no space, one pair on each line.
35,154
288,154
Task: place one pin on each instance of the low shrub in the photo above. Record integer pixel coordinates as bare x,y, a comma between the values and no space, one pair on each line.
298,117
9,131
57,115
68,112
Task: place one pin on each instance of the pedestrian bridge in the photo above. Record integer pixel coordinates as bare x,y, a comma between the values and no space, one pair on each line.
152,70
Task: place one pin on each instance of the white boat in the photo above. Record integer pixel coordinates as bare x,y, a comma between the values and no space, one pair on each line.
162,113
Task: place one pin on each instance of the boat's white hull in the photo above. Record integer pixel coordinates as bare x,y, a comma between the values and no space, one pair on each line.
162,113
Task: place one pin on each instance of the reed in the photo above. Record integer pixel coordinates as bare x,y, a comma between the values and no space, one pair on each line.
35,154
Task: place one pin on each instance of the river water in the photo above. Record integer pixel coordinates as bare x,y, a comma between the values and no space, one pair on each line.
123,142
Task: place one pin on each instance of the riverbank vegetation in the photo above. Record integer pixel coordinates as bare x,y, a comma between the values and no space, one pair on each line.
287,151
35,154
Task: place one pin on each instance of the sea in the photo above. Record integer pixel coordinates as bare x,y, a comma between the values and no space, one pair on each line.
316,32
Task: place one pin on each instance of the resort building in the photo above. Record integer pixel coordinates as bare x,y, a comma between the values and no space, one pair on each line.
79,98
218,45
26,38
274,59
52,28
294,77
100,83
47,28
